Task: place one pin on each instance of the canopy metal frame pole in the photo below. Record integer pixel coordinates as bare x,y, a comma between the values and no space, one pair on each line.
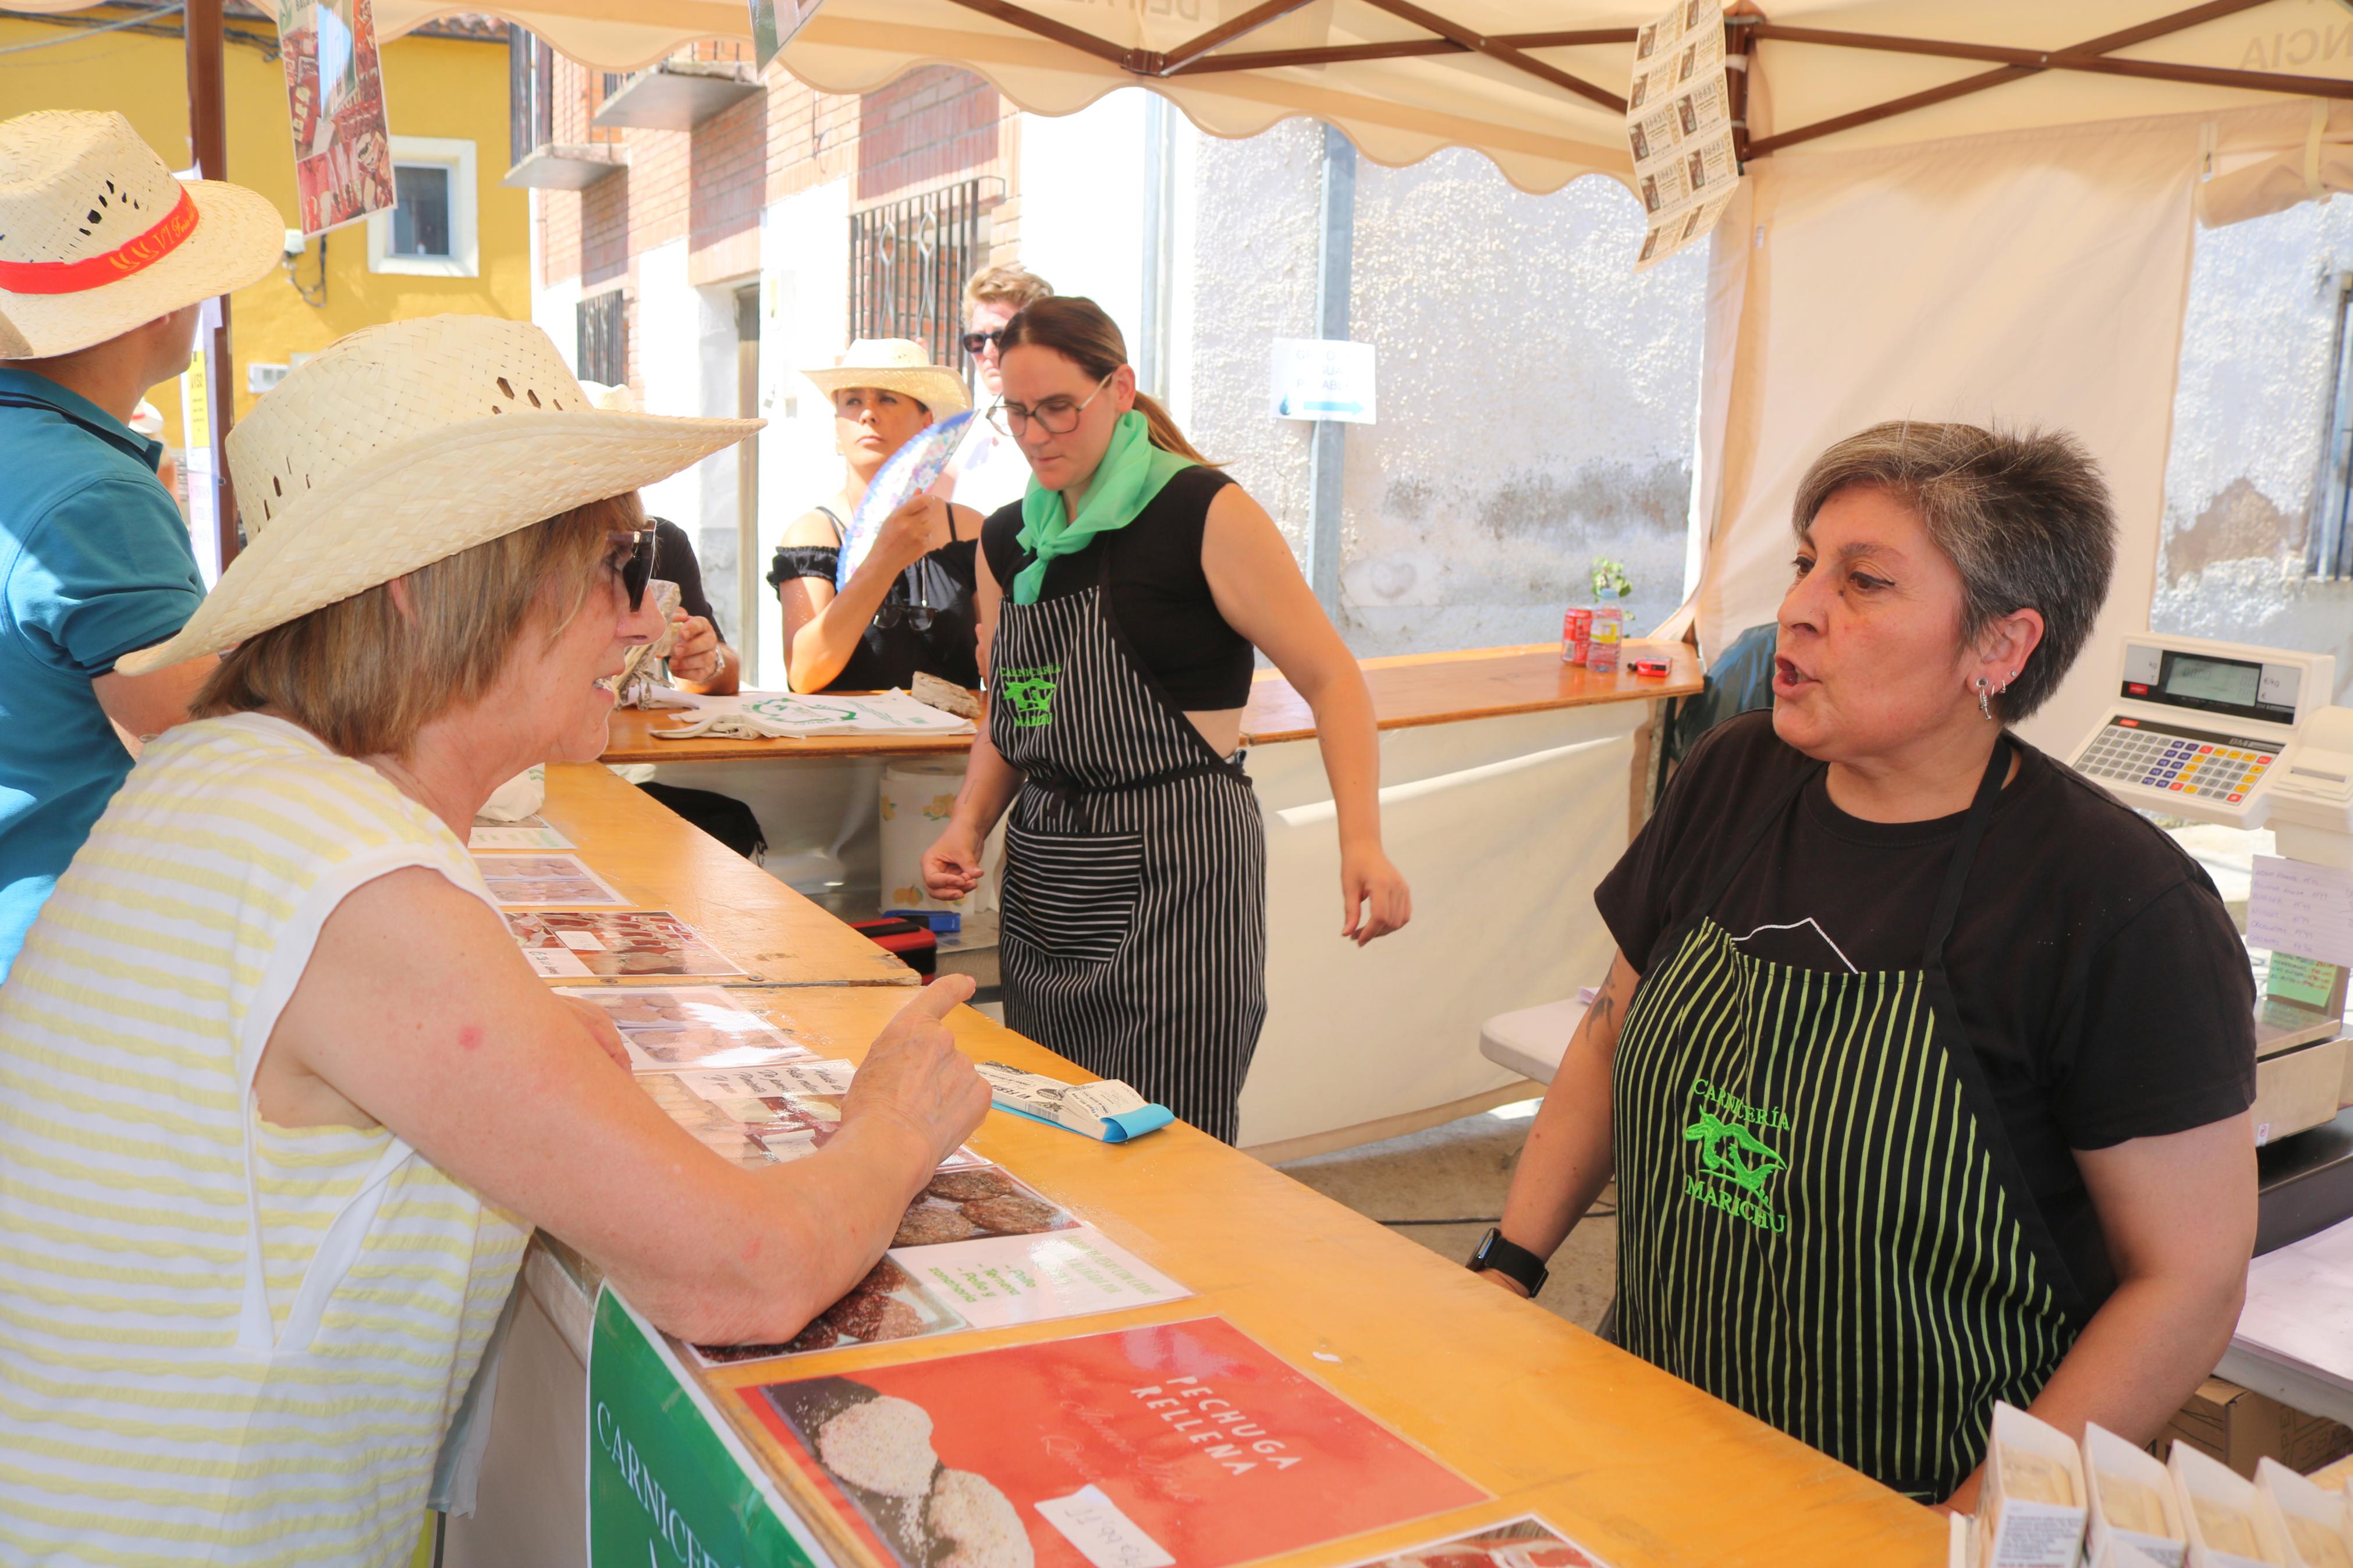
1208,53
1327,460
208,140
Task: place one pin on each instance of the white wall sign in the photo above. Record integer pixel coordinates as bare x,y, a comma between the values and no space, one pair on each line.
1323,379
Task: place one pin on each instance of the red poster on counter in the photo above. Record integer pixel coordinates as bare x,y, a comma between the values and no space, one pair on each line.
1174,1445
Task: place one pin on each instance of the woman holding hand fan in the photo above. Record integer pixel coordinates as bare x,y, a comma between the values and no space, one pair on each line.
909,604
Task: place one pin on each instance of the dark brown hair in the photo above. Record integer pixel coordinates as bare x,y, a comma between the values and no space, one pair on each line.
364,677
1083,333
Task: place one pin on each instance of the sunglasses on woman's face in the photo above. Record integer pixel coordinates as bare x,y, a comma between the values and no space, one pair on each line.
978,343
630,556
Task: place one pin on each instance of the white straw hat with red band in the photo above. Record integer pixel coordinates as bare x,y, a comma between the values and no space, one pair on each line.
404,444
96,238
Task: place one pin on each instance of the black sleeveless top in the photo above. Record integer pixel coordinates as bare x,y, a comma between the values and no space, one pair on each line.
1159,594
929,622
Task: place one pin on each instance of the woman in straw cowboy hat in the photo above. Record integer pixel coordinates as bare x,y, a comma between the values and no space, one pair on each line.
910,605
104,259
284,1098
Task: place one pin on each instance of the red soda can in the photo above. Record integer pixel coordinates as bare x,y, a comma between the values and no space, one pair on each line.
1576,636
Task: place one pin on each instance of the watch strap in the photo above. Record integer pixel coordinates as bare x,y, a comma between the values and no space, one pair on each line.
1515,1263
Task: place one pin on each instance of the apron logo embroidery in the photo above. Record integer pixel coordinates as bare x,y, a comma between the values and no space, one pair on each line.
1032,692
1735,1166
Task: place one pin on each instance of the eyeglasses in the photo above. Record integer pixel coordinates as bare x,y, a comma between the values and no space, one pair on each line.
634,569
1059,416
977,344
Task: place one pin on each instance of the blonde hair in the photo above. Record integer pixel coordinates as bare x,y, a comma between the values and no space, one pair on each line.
1006,284
365,677
1084,332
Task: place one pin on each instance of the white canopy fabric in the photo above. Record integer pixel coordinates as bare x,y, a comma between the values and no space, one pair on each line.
1534,84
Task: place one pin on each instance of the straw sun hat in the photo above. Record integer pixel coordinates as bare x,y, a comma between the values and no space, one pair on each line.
96,238
402,444
894,365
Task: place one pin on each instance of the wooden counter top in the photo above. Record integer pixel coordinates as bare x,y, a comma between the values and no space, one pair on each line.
1644,1469
1445,688
1409,689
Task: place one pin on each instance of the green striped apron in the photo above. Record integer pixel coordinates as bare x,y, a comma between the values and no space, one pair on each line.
1819,1218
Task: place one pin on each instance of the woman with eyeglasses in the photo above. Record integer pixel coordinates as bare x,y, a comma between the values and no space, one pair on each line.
1129,593
909,606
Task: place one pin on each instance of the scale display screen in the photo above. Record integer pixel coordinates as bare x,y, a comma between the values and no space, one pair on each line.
2208,683
2227,682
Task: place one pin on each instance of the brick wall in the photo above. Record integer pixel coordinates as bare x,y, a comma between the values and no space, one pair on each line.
930,126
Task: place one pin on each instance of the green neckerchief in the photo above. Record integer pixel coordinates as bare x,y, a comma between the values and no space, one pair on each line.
1132,472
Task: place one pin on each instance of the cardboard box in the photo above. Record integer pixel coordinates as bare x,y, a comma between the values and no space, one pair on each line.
2210,1493
2108,1458
2311,1521
2240,1426
2017,1526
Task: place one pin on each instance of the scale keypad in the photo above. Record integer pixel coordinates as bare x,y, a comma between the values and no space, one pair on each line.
2180,761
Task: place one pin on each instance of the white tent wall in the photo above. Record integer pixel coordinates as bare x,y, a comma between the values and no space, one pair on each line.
2025,279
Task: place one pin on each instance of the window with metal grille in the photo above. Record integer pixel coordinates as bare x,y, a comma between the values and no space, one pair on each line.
908,264
531,94
2329,541
604,340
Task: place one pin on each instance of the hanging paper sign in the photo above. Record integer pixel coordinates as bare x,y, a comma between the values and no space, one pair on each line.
912,469
335,93
774,23
1678,128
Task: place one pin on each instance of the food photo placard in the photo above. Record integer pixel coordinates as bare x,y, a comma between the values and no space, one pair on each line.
528,882
1182,1445
586,945
1526,1541
689,1028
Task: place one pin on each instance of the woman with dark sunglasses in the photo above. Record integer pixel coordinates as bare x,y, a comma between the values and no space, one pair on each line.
1128,595
909,607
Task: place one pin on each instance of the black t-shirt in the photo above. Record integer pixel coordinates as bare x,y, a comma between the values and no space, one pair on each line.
674,562
1159,593
928,622
2098,975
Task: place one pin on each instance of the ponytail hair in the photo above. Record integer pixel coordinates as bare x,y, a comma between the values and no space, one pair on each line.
1083,333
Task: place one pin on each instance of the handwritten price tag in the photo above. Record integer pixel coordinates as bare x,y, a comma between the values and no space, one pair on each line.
2302,909
1109,1539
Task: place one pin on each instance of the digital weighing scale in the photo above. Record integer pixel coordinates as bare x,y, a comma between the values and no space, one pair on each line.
2244,737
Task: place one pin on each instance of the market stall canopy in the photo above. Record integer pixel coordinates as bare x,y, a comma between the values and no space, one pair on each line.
1537,84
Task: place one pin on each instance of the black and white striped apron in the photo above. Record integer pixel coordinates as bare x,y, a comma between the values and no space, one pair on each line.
1819,1218
1133,936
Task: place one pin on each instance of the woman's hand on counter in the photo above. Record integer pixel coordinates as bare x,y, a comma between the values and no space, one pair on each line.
1374,897
952,865
915,1077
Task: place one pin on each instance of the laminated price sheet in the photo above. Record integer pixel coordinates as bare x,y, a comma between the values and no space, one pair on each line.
1678,128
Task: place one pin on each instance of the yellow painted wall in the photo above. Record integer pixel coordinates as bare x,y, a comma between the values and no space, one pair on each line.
433,87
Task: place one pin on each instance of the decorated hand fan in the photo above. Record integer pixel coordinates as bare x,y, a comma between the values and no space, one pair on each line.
912,469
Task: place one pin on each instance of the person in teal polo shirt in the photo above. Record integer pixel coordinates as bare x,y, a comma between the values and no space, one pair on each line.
105,261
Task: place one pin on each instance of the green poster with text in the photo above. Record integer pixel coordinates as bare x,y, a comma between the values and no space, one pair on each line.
668,1485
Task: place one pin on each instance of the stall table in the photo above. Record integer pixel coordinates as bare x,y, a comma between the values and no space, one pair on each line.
649,854
1639,1467
1509,785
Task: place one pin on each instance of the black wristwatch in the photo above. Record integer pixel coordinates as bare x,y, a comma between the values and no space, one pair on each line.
1517,1264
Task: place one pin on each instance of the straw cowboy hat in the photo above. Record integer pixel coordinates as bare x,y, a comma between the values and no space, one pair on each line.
402,444
895,365
96,238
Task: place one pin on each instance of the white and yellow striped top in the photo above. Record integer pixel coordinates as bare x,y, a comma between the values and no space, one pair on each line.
170,1391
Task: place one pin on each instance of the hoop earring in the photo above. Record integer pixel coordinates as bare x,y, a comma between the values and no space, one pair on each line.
1985,699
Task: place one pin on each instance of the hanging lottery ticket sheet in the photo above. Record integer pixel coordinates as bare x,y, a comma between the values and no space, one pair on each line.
1678,128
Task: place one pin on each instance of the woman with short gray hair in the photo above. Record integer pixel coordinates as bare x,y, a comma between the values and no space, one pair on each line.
1923,1066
